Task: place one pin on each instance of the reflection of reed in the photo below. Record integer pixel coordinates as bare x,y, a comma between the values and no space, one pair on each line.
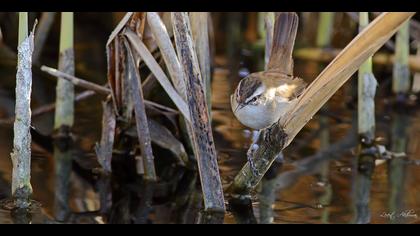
365,166
63,169
242,210
306,166
397,166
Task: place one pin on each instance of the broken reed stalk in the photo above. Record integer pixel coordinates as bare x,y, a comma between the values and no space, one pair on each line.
64,109
147,160
49,107
401,73
200,34
281,134
104,148
21,156
202,136
92,87
76,81
366,132
164,43
154,67
327,55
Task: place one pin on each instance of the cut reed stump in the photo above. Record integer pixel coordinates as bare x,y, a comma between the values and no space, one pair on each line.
281,134
21,155
202,135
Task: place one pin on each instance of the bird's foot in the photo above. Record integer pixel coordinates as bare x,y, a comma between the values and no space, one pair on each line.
267,134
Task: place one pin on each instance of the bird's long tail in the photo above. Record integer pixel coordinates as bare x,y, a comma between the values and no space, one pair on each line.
284,35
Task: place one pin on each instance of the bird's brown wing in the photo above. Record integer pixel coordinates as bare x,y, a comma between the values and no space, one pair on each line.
287,86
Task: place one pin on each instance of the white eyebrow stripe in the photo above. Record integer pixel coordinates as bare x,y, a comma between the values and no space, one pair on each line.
257,92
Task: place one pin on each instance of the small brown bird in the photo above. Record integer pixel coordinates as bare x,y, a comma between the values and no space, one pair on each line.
262,98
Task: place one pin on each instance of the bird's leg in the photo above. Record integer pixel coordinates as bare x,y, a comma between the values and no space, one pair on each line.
250,154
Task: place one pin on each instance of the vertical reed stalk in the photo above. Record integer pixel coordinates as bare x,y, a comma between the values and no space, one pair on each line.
161,34
200,34
325,29
401,72
323,40
366,92
64,112
23,27
202,135
143,132
21,156
64,118
366,131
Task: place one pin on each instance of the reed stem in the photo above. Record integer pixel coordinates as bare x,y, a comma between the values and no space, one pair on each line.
401,72
21,156
23,27
366,131
366,92
64,112
323,40
202,135
200,33
325,28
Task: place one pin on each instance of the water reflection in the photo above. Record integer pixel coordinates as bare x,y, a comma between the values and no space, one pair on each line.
397,166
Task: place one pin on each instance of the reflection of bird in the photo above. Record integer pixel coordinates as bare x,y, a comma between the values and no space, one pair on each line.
262,98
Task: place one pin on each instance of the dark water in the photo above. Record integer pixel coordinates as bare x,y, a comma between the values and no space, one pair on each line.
302,197
295,192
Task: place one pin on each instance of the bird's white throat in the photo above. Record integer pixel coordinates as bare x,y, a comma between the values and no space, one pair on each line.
262,115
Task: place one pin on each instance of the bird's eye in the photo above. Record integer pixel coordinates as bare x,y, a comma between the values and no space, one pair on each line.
253,100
